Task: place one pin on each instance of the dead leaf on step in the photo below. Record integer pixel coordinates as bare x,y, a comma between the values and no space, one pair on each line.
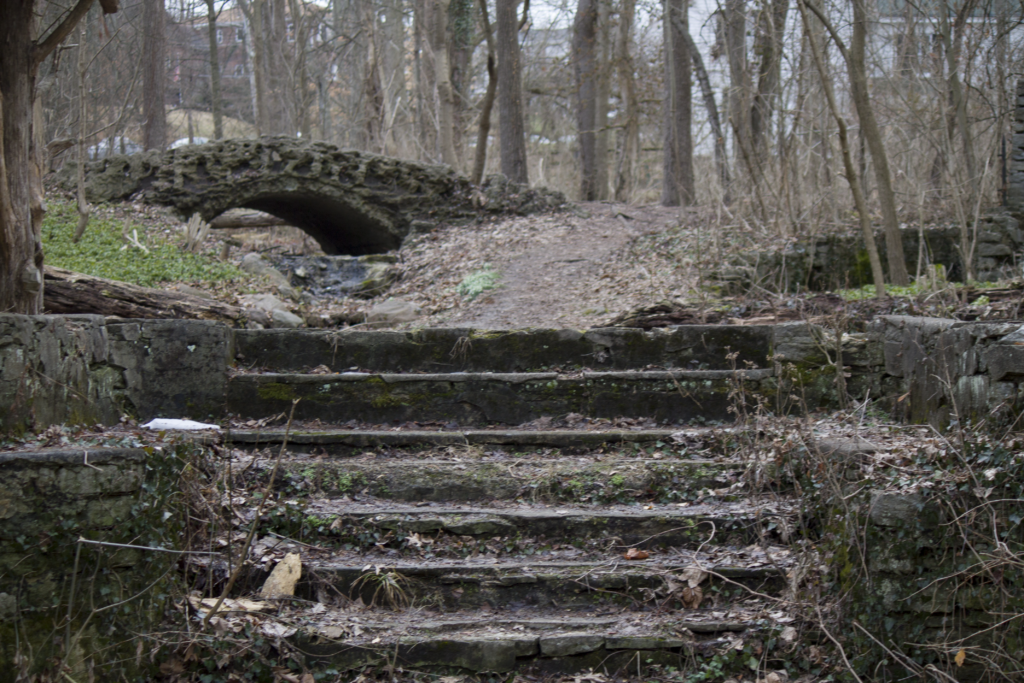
230,604
694,575
281,582
321,370
273,629
692,597
636,554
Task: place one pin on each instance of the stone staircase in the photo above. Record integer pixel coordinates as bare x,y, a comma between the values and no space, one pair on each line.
543,502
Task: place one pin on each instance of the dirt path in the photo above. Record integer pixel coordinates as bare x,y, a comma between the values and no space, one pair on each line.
574,269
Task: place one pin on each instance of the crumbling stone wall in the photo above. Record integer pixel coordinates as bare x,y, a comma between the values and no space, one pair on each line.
56,592
951,371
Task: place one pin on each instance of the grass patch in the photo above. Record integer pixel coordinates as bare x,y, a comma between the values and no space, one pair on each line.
478,282
99,253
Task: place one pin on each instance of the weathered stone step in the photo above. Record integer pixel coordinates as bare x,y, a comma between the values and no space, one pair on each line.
478,398
534,641
648,526
474,477
468,350
461,585
346,441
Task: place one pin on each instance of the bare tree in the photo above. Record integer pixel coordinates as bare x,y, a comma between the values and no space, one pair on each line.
852,177
215,93
444,93
154,74
484,130
510,93
871,133
630,147
584,52
21,150
677,184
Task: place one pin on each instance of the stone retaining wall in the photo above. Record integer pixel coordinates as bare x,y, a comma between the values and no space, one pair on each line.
57,595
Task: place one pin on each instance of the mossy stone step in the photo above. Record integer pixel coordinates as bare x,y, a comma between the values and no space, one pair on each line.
570,479
347,441
455,349
649,526
480,398
543,644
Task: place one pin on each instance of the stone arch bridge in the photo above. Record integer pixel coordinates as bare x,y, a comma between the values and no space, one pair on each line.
350,202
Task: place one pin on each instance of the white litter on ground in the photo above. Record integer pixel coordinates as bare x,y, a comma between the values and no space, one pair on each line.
163,424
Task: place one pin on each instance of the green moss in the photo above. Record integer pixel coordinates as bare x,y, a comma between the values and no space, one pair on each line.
276,391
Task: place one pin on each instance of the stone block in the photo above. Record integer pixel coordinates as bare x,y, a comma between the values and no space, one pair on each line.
173,368
1003,360
993,250
571,644
907,511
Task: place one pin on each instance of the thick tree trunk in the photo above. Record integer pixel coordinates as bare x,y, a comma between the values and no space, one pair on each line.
584,50
154,74
510,94
437,32
768,44
484,132
215,93
735,19
21,151
677,185
626,164
21,254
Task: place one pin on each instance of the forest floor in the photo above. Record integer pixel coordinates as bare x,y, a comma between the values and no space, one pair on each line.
592,265
605,263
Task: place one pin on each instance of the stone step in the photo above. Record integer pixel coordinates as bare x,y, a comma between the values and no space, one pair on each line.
479,398
477,477
538,642
336,441
452,585
682,525
468,350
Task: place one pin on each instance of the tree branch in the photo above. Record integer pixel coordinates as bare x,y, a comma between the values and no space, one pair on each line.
47,45
828,27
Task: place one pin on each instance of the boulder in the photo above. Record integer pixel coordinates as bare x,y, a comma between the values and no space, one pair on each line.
393,312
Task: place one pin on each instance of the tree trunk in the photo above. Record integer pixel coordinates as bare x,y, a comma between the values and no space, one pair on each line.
852,177
626,164
215,92
584,49
154,74
604,60
876,145
721,161
735,20
21,254
437,34
483,135
677,185
768,44
510,94
21,184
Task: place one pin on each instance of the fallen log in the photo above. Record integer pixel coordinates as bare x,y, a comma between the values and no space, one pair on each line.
232,219
67,292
